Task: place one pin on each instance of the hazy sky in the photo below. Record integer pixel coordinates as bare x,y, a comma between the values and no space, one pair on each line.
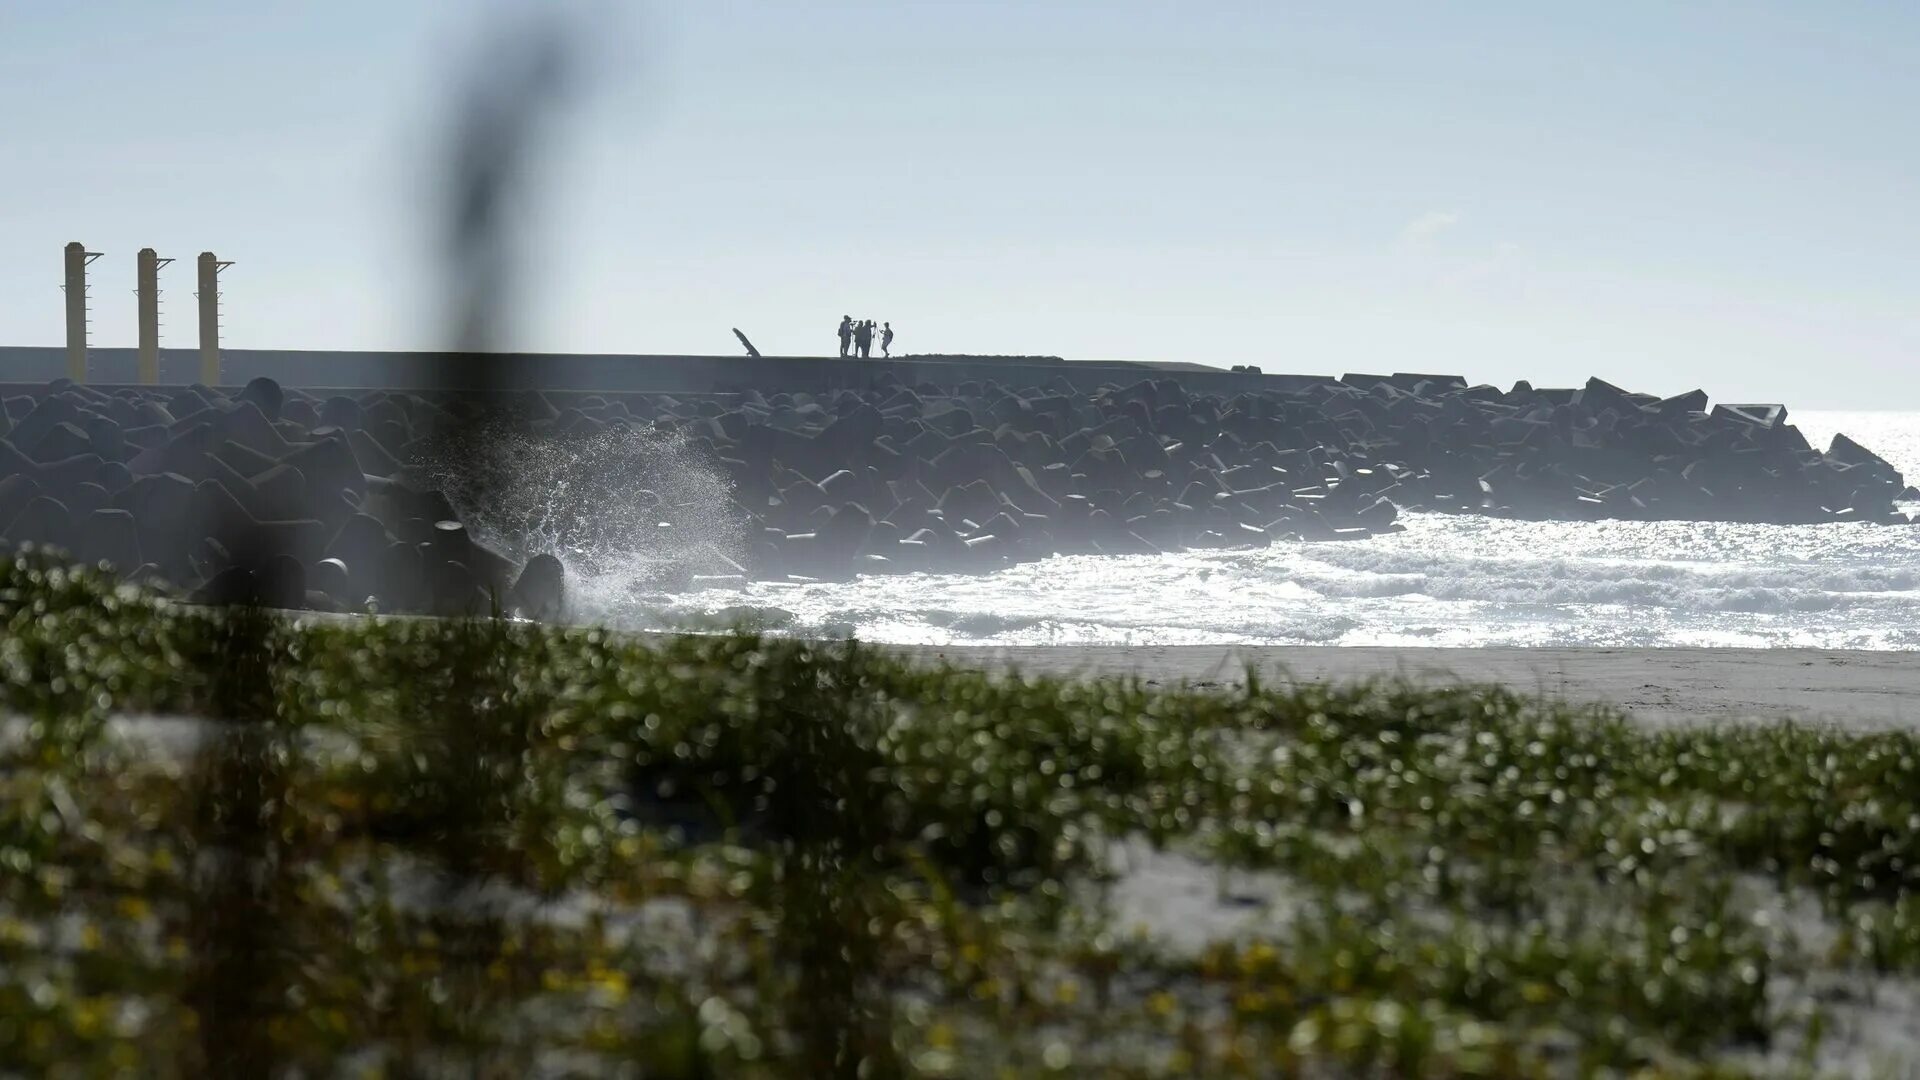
1668,195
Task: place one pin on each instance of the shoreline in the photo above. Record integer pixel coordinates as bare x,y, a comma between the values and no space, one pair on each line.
1855,689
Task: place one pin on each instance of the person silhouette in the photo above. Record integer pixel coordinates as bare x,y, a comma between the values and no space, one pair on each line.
886,339
846,334
863,337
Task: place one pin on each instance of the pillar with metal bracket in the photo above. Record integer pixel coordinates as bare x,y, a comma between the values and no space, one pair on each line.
209,295
147,286
78,258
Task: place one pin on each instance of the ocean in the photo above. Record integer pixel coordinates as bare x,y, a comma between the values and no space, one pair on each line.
1446,581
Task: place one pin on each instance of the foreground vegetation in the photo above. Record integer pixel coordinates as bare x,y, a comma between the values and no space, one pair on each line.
418,847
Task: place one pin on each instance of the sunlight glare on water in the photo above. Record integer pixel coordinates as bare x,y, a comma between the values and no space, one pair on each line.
1446,581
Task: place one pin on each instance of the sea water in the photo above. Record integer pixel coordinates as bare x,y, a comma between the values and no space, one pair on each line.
1447,581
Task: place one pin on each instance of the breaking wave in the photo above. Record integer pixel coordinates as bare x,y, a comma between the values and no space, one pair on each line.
633,514
1446,580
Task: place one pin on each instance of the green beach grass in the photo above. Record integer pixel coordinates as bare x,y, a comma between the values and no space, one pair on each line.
240,843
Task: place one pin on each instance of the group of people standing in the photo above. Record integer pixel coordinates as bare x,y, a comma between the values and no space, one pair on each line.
856,338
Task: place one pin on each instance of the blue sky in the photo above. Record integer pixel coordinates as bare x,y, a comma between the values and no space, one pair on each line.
1668,195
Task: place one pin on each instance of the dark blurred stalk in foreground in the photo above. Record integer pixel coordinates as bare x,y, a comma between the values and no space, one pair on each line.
242,866
481,739
512,95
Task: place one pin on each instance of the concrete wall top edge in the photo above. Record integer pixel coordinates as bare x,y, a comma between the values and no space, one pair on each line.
661,373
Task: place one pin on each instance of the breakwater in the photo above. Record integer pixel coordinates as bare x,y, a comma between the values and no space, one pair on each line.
332,500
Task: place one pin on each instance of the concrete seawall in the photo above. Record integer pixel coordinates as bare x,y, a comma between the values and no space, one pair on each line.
615,373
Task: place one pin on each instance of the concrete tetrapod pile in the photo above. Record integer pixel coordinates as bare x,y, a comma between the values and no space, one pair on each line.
305,500
915,478
262,494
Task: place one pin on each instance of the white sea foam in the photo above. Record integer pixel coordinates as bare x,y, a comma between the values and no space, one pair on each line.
1446,580
601,503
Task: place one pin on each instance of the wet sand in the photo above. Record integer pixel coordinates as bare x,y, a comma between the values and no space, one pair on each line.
1851,689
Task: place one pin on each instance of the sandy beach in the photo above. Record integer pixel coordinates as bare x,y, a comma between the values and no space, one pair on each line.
1855,689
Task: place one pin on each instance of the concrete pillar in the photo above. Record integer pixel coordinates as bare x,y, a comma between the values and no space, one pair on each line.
147,286
209,294
76,286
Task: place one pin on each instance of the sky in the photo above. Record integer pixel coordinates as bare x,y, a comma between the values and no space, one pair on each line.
1713,194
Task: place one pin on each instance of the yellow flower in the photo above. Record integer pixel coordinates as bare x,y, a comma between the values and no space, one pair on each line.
1258,955
88,1017
612,982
